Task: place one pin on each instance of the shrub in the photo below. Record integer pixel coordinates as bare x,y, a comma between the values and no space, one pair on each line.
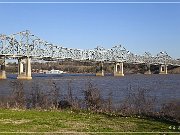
17,97
171,111
138,102
92,97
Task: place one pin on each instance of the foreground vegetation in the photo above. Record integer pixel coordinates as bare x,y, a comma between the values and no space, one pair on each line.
16,120
46,109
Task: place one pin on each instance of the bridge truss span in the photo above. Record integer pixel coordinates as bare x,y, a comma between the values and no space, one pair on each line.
26,44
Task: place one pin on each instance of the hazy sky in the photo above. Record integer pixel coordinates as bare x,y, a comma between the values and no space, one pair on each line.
138,27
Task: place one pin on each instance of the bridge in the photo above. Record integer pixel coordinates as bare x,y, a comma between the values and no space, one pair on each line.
26,46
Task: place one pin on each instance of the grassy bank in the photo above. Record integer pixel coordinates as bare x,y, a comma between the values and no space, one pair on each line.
76,121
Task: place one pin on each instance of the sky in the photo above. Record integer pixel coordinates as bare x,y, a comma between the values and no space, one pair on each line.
139,27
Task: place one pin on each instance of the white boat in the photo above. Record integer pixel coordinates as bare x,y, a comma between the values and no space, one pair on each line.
54,72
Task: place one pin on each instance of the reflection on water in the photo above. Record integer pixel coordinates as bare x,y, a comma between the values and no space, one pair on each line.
165,87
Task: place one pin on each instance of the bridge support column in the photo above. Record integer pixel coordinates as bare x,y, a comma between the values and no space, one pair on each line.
99,69
26,75
20,67
163,69
2,70
118,69
148,72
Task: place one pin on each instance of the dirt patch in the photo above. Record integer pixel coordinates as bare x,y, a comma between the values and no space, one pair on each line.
16,122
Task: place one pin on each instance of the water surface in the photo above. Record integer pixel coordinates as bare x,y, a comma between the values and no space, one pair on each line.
165,88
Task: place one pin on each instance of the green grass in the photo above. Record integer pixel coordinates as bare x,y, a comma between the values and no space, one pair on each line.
79,121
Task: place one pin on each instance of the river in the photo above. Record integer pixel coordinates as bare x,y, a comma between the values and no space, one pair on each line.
165,88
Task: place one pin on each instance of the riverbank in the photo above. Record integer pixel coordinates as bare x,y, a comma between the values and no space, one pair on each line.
68,121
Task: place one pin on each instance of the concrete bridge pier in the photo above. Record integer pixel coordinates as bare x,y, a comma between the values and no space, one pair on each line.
24,73
99,69
163,69
148,72
2,70
118,69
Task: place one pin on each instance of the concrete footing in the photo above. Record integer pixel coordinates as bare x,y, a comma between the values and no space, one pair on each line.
24,77
118,74
148,72
100,74
2,74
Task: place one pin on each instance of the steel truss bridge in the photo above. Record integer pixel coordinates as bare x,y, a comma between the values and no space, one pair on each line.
26,44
